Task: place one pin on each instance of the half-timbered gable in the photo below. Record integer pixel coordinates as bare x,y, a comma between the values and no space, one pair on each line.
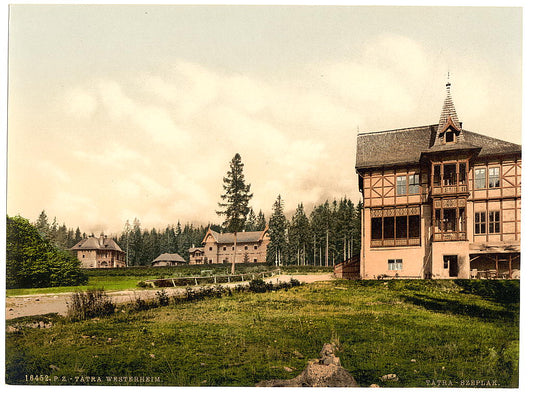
439,201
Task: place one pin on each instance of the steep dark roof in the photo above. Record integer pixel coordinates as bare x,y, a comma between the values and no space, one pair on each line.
393,147
404,146
169,258
490,145
97,243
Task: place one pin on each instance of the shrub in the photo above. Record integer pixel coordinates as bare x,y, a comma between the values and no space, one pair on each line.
294,282
141,304
258,285
90,304
33,261
162,298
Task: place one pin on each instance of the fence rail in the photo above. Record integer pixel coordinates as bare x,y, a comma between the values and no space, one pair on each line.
215,279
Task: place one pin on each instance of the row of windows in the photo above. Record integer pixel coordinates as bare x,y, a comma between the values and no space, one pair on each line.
399,227
450,174
232,248
481,224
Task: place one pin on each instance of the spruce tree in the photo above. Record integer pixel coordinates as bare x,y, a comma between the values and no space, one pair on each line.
277,230
251,221
42,225
260,223
234,205
299,235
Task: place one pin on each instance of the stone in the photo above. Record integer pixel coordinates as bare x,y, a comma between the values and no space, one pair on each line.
389,377
324,372
330,360
298,354
374,386
287,369
328,349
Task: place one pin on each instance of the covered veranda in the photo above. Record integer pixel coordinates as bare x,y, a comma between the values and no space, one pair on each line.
495,263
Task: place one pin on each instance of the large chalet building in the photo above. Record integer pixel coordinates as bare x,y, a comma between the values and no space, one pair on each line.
219,248
99,252
439,202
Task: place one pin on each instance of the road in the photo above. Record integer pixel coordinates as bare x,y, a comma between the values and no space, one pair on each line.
27,305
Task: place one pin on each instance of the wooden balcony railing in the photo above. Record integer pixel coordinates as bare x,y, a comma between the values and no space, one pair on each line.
415,241
449,236
450,189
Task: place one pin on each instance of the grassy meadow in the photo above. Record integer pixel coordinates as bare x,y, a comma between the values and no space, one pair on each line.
428,333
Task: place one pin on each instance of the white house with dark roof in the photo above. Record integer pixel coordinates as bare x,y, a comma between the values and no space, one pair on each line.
439,202
99,252
219,247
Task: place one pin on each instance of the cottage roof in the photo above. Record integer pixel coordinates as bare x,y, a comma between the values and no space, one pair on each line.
242,237
166,257
193,249
404,146
97,243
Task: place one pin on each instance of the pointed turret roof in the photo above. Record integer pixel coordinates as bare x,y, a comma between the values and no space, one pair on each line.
448,116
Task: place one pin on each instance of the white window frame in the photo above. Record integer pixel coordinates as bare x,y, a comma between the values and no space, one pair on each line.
395,264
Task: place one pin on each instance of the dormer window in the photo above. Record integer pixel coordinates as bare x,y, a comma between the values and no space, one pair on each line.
449,137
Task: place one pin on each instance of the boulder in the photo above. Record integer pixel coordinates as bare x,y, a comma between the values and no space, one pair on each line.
324,372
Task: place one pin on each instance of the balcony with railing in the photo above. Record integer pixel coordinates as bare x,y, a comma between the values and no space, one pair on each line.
449,224
449,179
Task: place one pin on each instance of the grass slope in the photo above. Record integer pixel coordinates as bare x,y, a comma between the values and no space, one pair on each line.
422,331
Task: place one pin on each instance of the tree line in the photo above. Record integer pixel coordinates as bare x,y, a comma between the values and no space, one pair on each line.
328,235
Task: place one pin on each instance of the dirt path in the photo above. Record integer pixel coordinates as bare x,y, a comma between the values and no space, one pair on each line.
21,306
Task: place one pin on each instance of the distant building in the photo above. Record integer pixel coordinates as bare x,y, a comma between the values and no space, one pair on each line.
196,255
439,202
99,252
218,248
169,260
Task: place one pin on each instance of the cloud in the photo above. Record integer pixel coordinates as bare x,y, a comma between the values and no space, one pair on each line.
156,145
80,103
53,173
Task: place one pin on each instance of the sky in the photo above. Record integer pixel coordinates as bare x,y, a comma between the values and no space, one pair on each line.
122,112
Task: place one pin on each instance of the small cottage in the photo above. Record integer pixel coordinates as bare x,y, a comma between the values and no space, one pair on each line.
169,260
